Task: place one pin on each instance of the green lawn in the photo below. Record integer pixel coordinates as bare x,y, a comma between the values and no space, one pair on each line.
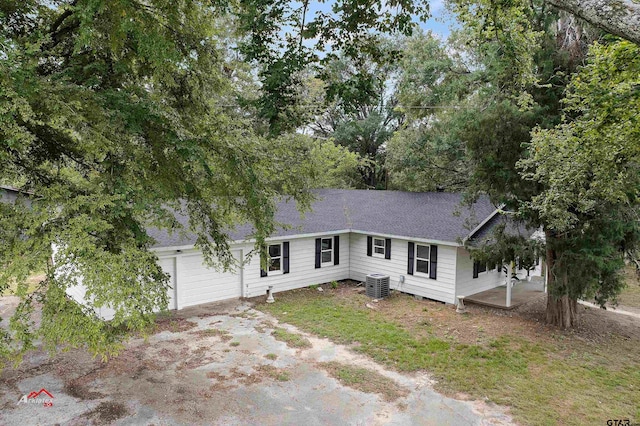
546,378
630,295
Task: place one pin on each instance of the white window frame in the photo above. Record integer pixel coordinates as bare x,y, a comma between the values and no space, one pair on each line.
416,258
383,246
322,251
281,257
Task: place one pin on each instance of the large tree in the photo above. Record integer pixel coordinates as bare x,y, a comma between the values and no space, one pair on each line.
589,167
358,112
436,83
618,17
284,39
524,58
115,114
587,233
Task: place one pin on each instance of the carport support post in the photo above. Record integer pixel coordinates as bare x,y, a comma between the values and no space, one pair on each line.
510,281
270,298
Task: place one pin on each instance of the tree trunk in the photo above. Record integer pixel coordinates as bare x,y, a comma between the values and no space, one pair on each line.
562,310
618,17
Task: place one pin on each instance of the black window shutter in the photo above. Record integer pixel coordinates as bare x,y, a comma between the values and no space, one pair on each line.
285,257
387,248
263,273
410,259
433,259
336,250
369,245
475,269
318,251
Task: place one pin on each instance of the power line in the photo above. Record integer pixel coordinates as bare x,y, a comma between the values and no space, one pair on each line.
367,106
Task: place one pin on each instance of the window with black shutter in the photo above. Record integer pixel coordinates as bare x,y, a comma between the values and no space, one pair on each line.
479,268
326,251
422,259
318,252
278,259
410,258
285,257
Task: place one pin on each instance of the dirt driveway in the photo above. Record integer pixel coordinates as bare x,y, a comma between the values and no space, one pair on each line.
222,364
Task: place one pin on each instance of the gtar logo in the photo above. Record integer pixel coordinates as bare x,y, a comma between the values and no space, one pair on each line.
43,397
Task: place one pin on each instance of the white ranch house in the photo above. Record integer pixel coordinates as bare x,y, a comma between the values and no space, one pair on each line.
415,238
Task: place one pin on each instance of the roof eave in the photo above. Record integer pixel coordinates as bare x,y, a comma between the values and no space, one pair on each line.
481,224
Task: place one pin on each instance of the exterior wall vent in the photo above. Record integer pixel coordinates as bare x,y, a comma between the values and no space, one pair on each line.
377,285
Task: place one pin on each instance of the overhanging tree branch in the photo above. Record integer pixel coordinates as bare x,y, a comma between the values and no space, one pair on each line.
618,17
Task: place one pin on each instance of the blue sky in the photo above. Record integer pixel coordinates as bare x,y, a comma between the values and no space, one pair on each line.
439,22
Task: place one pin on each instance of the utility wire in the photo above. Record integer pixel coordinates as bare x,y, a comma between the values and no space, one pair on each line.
368,106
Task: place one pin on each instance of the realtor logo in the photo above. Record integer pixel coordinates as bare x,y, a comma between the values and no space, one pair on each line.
43,397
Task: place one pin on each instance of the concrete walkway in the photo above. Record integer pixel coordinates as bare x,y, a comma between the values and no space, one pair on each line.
611,309
225,369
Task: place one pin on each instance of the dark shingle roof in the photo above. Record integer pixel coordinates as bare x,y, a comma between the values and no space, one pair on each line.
9,194
512,227
436,216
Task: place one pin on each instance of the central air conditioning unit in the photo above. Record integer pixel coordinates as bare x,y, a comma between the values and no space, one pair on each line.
377,285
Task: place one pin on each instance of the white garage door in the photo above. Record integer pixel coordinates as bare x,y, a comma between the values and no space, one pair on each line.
200,284
169,266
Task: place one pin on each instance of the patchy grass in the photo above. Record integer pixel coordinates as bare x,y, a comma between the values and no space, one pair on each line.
272,357
291,339
267,371
364,380
245,314
108,412
234,344
545,376
224,335
282,376
77,390
174,325
630,295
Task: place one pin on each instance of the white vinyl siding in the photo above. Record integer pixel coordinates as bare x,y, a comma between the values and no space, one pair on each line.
466,284
168,265
302,270
78,292
442,288
193,283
